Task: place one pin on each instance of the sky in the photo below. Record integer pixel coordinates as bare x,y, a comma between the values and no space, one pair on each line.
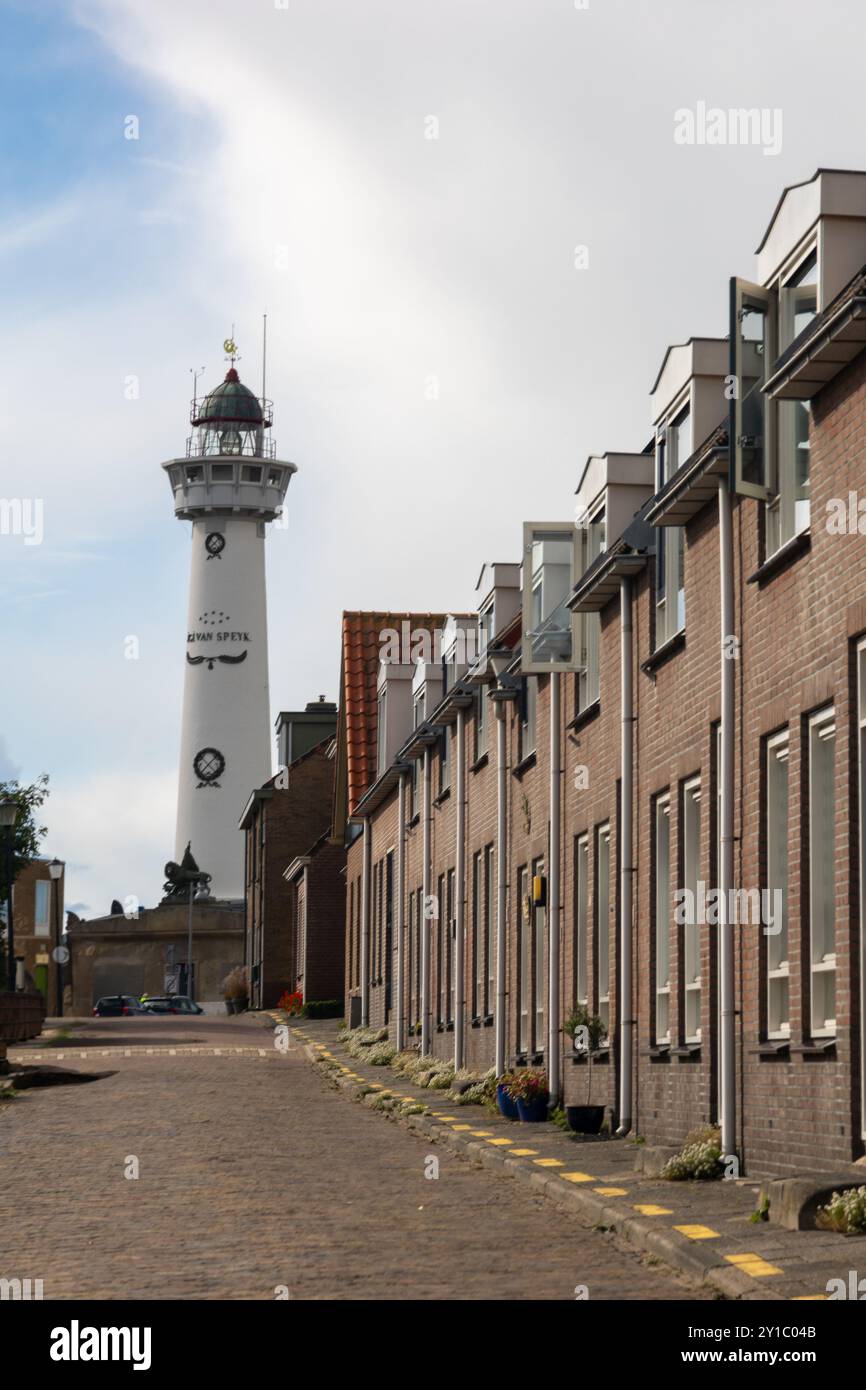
401,186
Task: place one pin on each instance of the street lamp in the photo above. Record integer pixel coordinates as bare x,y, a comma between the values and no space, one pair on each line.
8,816
55,869
198,894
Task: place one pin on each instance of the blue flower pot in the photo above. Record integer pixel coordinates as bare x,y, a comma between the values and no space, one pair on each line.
531,1111
507,1106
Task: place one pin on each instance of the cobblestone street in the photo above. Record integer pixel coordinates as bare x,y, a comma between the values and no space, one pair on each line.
254,1173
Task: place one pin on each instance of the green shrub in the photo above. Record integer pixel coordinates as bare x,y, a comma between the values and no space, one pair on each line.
845,1212
322,1008
702,1160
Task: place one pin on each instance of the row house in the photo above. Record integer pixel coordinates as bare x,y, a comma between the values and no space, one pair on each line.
634,777
294,869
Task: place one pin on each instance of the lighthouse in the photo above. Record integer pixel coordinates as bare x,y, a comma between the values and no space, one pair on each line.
229,486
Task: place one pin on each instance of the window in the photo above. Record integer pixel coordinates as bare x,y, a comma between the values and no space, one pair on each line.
524,936
822,871
526,728
550,561
539,926
663,919
194,473
441,929
444,761
222,472
411,962
788,510
480,722
477,940
691,842
673,447
450,933
42,912
592,539
381,715
778,1015
491,927
581,918
602,923
485,628
251,473
418,914
771,438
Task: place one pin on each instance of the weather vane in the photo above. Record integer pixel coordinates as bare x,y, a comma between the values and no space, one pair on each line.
230,347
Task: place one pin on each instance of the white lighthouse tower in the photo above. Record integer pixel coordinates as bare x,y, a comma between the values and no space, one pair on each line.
229,485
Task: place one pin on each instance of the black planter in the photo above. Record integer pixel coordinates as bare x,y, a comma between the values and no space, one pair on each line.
230,1006
585,1119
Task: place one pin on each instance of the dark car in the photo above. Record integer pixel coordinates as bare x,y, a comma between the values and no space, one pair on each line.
116,1005
171,1004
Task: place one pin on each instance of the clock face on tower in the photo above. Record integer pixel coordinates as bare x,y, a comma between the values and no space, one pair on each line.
214,544
208,765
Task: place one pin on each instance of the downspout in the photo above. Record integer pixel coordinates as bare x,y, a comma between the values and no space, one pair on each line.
502,882
401,893
554,1069
459,891
727,1050
425,911
626,868
365,925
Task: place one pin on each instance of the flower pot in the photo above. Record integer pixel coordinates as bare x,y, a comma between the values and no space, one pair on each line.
230,1006
585,1119
531,1111
507,1106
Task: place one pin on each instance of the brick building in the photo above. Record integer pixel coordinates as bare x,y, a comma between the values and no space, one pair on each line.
37,919
688,863
283,823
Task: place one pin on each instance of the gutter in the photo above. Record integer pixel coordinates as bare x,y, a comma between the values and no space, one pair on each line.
626,822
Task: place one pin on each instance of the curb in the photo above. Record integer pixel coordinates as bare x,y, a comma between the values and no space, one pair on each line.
697,1262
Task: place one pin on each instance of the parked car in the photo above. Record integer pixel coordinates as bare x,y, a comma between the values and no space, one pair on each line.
116,1005
171,1004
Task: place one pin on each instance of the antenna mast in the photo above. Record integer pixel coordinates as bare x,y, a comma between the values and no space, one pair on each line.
264,354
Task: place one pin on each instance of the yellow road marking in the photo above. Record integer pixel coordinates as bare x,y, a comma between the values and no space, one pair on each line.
697,1232
499,1141
754,1265
650,1209
480,1133
549,1163
611,1191
523,1153
458,1128
577,1177
808,1297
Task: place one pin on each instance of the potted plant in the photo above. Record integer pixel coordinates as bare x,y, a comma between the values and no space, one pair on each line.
235,990
586,1031
504,1099
530,1090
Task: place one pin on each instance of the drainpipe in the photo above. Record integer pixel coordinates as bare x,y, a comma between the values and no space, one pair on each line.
502,882
425,918
626,1023
401,893
459,891
365,926
554,1069
727,1050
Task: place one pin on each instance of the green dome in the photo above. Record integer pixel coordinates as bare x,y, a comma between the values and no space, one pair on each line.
230,403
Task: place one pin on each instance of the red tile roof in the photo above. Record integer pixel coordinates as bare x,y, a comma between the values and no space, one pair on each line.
359,666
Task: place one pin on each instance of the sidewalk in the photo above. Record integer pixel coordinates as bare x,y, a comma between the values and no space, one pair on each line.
703,1229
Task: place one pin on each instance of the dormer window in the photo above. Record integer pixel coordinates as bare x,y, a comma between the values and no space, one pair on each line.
381,730
770,439
485,627
673,447
550,566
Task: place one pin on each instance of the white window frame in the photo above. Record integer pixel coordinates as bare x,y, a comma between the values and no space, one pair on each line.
670,615
602,926
821,725
581,945
692,985
538,918
42,926
536,533
524,971
782,520
778,946
592,541
662,1013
